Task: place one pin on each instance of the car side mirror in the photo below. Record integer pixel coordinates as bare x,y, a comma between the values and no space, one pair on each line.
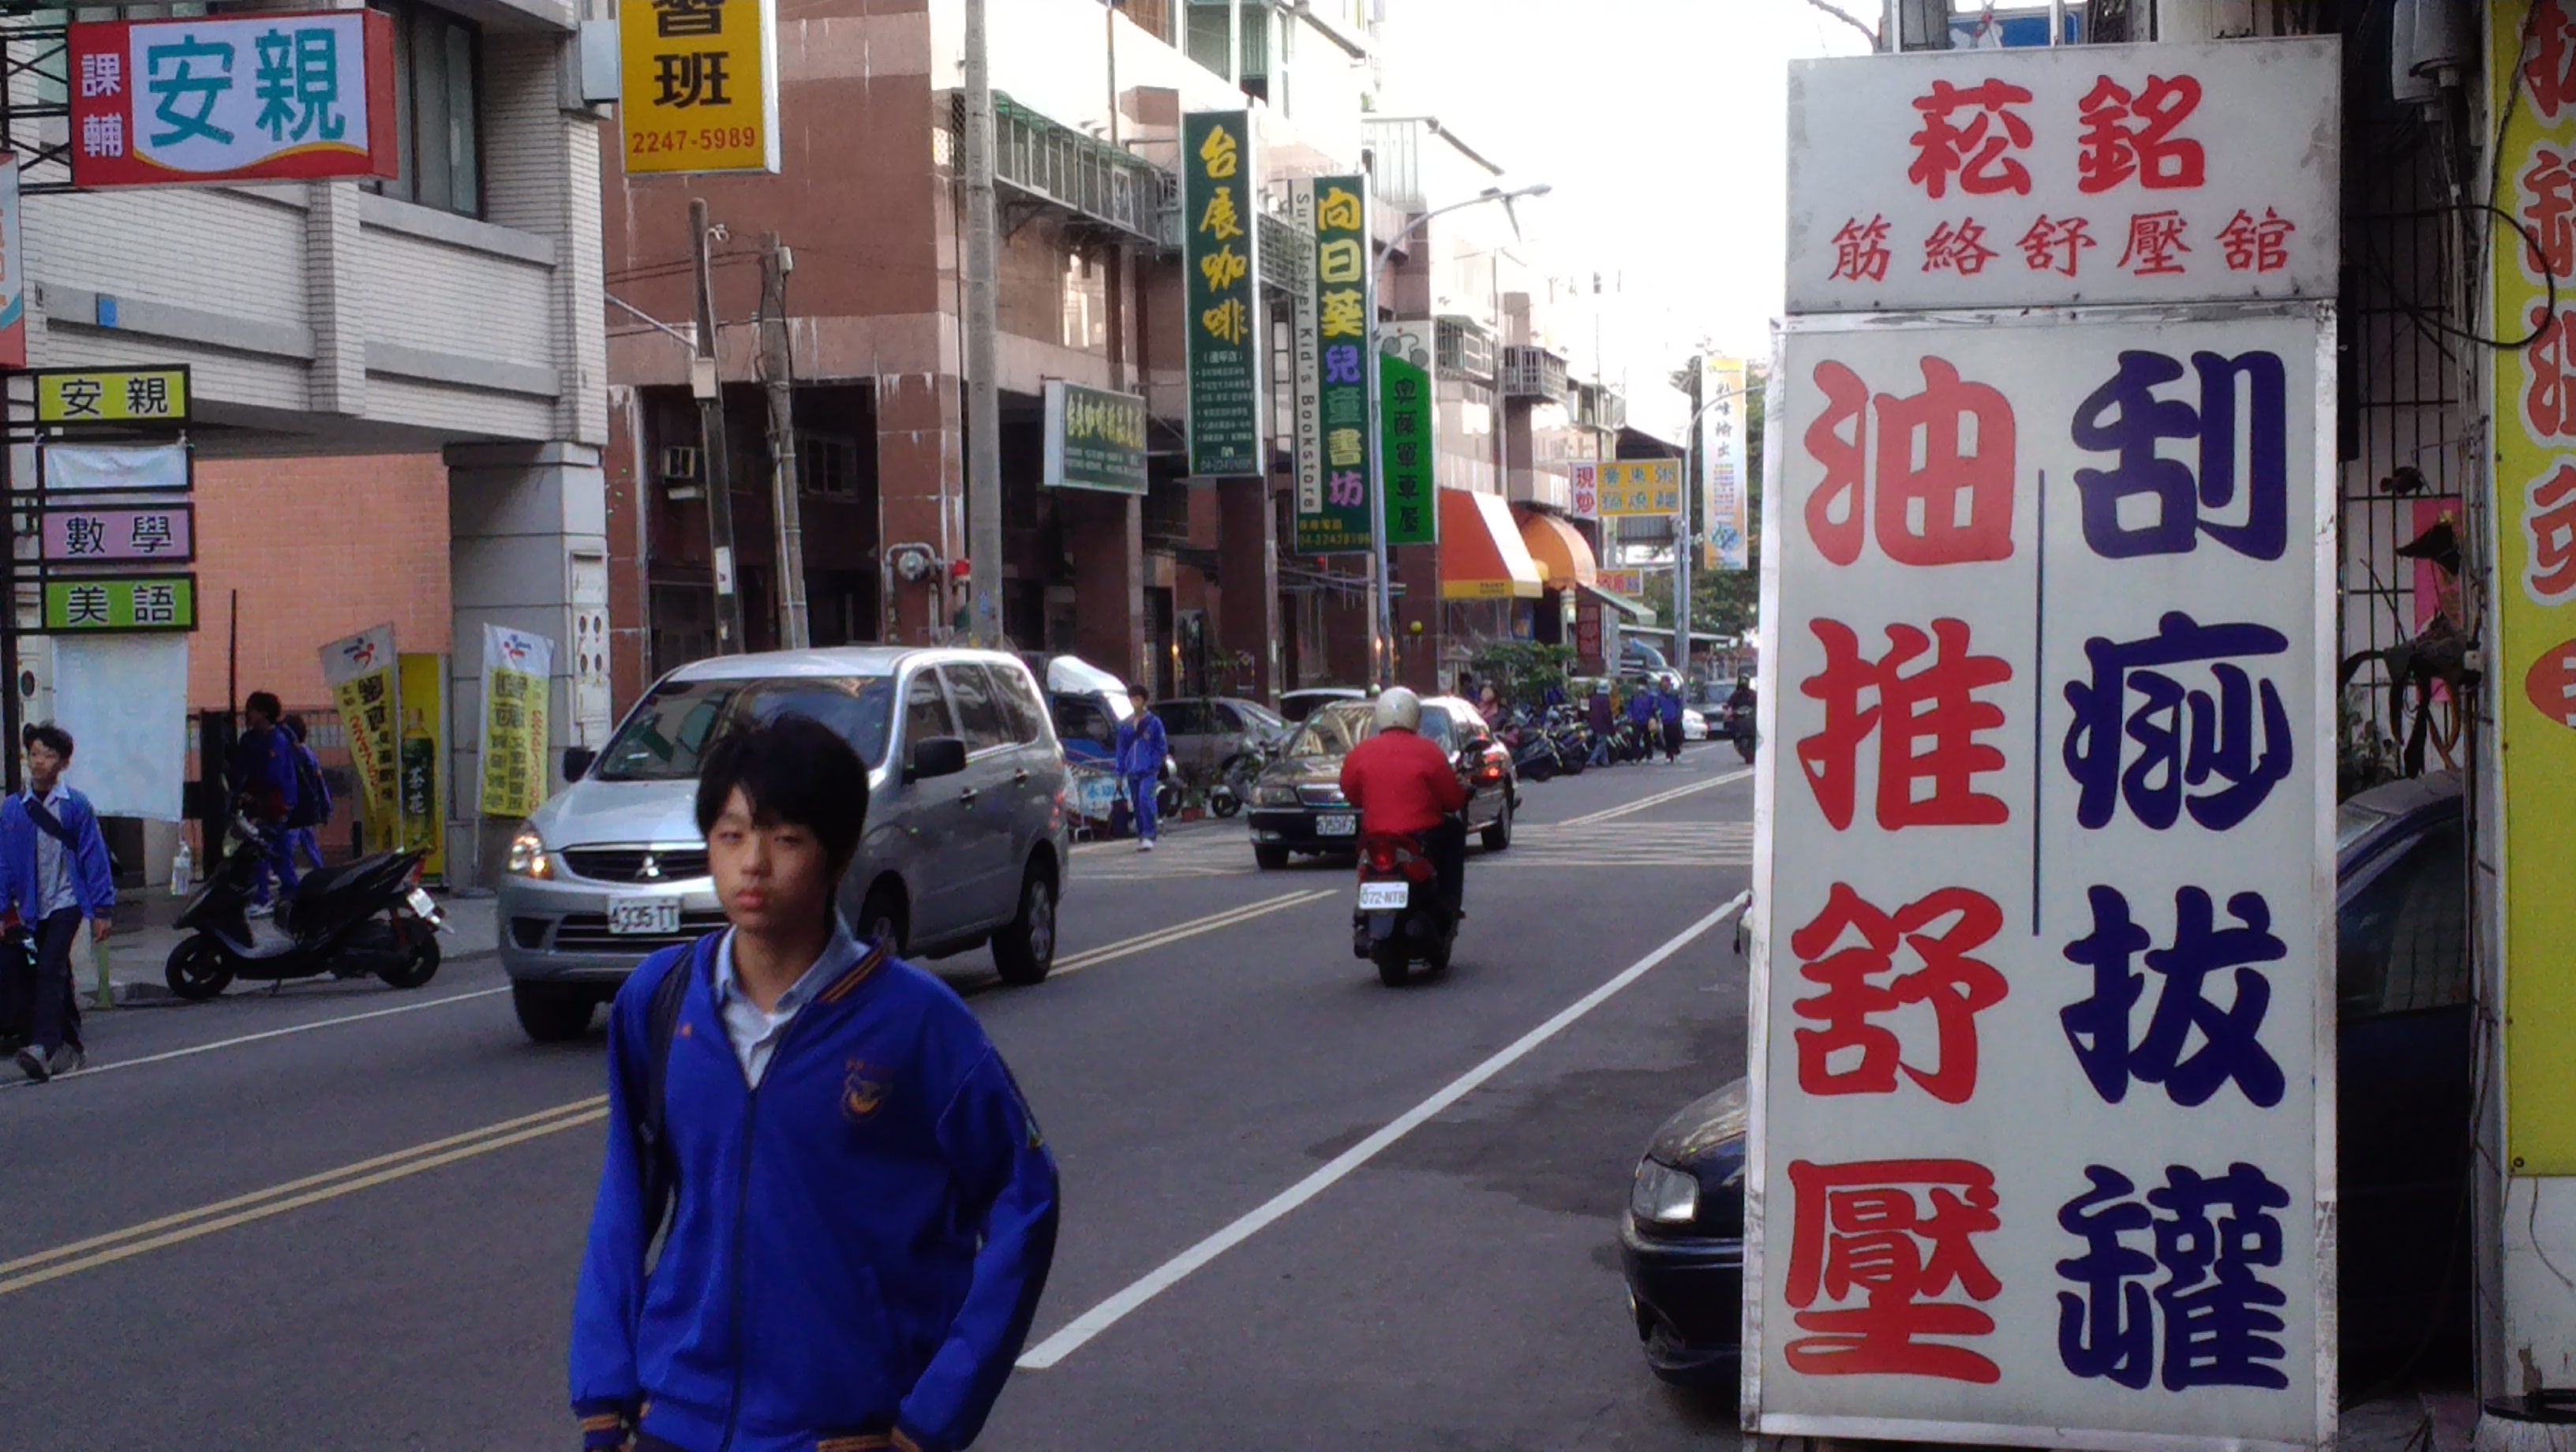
577,762
936,757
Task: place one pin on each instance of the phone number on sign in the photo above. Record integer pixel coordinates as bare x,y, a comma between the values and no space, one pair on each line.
717,138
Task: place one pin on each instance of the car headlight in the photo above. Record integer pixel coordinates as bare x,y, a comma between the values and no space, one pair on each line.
1274,796
1664,1195
528,856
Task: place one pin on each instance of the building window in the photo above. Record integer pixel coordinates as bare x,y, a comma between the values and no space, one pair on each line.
827,466
438,133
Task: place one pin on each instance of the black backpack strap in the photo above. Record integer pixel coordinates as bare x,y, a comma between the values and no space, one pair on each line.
648,1111
47,823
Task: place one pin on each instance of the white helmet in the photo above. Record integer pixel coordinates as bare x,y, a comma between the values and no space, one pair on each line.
1398,709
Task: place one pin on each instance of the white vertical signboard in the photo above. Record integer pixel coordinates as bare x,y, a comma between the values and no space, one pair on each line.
2043,1008
1306,351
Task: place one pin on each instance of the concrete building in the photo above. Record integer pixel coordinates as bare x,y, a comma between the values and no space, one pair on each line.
452,312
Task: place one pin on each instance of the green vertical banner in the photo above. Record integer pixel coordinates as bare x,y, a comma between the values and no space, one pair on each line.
1334,519
1408,409
1220,243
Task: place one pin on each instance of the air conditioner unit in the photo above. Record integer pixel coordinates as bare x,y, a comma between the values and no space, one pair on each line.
681,461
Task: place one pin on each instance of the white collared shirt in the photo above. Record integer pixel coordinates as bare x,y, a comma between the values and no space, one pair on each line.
754,1031
54,889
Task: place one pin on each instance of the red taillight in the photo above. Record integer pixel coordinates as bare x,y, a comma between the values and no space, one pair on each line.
1381,857
1490,774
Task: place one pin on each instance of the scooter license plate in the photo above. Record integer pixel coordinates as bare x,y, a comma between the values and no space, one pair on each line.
1338,824
422,905
658,916
1381,897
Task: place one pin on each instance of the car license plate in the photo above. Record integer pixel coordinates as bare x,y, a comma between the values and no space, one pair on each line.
659,916
1340,824
1382,897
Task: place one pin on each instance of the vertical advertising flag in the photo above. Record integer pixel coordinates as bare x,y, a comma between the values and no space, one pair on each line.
420,759
518,677
2535,590
13,270
1220,246
1721,462
269,96
699,85
1346,329
360,672
1409,409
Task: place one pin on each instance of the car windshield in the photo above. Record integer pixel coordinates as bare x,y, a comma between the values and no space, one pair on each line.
671,729
1335,729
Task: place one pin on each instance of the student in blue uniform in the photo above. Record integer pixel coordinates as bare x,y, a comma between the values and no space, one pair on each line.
864,1210
54,873
1142,748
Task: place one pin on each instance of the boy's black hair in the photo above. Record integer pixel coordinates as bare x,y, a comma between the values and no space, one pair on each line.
1136,693
265,703
293,721
48,735
793,769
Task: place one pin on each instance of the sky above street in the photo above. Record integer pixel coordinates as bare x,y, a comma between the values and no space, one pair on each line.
1660,123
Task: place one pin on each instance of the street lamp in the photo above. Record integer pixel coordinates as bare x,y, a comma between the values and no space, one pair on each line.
1382,629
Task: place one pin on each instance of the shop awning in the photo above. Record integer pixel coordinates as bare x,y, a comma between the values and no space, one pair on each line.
1636,610
1564,556
1481,554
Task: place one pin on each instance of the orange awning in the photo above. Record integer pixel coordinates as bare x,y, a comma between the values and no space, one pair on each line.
1481,554
1564,556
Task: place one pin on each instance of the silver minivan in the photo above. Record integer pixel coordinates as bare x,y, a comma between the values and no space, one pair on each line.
969,825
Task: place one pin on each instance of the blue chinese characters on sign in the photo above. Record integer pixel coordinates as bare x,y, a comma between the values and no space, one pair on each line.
2229,1046
2191,729
2126,417
2214,1320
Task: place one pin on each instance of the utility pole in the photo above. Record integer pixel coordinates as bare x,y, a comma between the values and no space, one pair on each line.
777,366
983,322
1684,541
706,382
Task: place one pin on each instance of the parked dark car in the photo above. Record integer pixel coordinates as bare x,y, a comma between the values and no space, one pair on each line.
2406,1055
1298,806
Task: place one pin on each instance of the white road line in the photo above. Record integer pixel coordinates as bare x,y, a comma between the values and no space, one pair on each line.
301,1028
1172,1272
1657,800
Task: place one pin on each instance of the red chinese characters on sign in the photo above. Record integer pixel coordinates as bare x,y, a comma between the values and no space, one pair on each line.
1860,250
2549,186
2056,246
2256,246
2550,75
1961,249
1898,1238
2549,529
1853,1052
1928,722
2155,242
2131,135
1967,131
2549,393
1964,484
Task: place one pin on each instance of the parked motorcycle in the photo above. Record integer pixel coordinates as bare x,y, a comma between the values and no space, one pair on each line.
1235,779
368,916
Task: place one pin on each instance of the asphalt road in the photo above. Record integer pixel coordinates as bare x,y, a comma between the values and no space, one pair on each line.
1301,1210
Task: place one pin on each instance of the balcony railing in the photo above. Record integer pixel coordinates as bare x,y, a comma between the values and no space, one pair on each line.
1287,256
1532,373
1041,163
1466,349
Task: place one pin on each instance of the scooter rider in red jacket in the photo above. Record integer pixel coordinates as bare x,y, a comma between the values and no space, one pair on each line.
1405,785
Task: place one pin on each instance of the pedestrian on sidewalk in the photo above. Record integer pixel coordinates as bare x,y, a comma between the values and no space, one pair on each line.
1602,722
263,772
863,1209
1668,708
1142,747
312,808
54,875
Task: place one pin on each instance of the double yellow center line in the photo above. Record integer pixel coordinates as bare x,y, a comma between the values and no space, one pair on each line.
28,1272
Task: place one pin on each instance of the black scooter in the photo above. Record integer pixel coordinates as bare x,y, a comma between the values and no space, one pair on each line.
368,916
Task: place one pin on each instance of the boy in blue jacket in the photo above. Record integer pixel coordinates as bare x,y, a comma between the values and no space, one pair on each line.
54,874
1142,748
864,1210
